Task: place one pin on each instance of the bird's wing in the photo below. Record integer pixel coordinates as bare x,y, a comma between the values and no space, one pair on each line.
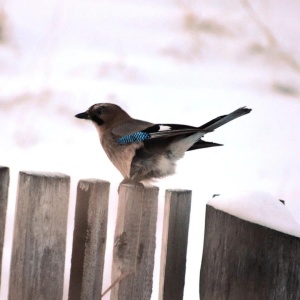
159,131
168,130
130,127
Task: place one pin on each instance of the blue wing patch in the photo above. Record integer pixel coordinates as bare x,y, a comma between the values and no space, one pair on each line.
134,138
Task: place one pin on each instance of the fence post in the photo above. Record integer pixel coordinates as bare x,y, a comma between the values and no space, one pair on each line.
134,242
89,239
174,244
4,184
243,260
39,242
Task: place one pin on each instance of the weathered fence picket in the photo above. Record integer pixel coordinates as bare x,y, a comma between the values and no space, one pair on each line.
39,242
134,243
174,244
4,183
89,239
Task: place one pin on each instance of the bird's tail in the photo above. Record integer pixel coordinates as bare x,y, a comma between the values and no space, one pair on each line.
219,121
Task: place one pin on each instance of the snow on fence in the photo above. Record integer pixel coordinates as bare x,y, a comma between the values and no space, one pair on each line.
40,229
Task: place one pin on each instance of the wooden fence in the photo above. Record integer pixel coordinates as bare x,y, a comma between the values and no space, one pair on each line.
241,260
40,229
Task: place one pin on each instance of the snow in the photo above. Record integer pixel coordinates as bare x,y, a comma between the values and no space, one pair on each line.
165,62
258,207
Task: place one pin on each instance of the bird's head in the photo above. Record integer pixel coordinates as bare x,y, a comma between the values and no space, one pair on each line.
104,114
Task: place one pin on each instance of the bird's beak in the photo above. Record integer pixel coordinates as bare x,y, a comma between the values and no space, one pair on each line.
83,115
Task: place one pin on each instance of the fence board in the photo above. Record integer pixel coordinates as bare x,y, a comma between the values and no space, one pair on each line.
4,184
243,260
89,239
174,244
38,254
134,247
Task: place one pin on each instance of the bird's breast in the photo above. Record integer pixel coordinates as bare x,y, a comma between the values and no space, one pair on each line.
120,155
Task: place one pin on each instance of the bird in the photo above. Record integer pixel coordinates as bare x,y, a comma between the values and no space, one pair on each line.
143,151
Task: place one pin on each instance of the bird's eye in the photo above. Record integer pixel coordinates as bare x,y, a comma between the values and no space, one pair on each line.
100,110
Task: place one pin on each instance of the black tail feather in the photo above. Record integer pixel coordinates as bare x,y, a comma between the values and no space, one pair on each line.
219,121
203,144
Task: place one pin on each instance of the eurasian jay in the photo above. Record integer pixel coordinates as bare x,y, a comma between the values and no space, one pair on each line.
141,150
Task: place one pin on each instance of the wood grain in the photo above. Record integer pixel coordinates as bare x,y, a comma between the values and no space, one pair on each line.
174,244
39,243
134,243
243,260
4,185
89,239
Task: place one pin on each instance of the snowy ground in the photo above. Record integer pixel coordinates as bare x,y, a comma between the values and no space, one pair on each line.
163,61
